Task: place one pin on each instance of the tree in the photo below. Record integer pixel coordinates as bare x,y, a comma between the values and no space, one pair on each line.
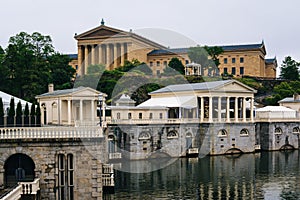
214,53
177,65
200,56
19,114
32,115
11,113
38,115
289,69
1,113
26,115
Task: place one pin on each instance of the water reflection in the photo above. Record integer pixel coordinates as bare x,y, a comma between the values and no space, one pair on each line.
267,175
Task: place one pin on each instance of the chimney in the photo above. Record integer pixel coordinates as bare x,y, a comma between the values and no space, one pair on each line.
51,87
296,97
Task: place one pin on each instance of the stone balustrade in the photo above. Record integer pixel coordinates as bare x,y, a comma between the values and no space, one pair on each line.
113,156
54,132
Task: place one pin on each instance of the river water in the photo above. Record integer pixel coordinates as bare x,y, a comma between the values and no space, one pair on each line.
266,175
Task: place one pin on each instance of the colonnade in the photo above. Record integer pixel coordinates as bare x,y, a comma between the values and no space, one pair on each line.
112,55
208,109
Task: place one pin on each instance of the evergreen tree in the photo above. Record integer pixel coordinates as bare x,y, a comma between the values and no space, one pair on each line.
32,115
1,113
11,113
19,115
289,69
38,115
26,115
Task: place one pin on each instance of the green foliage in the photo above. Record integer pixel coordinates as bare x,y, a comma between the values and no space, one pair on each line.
141,94
11,111
214,53
289,69
177,65
251,83
26,110
19,114
32,110
1,108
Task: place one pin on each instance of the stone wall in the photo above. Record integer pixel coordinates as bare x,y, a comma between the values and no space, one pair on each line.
88,158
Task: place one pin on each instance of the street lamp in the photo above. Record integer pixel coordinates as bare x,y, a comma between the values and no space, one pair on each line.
100,99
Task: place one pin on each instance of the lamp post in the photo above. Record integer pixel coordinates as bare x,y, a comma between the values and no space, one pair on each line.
100,99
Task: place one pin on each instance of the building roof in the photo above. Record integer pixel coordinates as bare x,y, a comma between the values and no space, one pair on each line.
241,47
205,86
66,92
274,109
72,56
289,100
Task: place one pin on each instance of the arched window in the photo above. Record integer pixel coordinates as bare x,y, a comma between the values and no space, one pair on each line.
244,132
189,135
222,132
296,130
118,115
172,134
278,130
145,135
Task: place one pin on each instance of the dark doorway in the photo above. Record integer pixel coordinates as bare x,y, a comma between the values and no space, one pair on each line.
18,167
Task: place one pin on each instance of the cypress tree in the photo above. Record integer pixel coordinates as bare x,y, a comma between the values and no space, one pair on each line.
11,113
1,113
32,115
26,115
19,115
38,115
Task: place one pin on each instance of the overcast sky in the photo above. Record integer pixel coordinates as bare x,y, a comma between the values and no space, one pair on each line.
211,22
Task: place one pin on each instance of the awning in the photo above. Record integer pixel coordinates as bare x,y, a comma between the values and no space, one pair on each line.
171,102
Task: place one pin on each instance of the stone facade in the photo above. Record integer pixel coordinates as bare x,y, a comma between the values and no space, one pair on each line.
88,158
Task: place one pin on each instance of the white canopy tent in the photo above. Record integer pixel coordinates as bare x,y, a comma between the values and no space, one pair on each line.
6,101
270,112
171,102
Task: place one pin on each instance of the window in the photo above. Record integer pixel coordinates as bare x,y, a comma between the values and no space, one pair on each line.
165,63
225,70
244,132
65,177
140,115
233,71
151,64
118,115
157,63
145,135
225,60
129,116
76,67
241,60
160,115
278,131
172,134
151,116
242,71
157,72
233,60
296,130
222,132
186,62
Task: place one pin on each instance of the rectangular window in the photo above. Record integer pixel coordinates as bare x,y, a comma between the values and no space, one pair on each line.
70,177
242,71
76,67
118,115
157,63
65,177
165,63
140,115
61,176
225,60
241,60
233,72
186,62
233,60
225,70
157,72
151,116
129,115
160,115
151,64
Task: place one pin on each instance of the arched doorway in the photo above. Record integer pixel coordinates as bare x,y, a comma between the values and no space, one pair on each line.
18,167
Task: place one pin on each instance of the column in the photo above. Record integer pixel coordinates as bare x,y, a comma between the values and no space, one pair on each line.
115,59
122,53
93,55
80,60
251,109
86,58
59,111
93,110
202,109
228,109
219,109
81,111
244,109
236,109
210,119
69,112
103,111
108,61
100,61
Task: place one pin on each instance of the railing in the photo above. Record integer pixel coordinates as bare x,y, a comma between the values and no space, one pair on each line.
23,188
193,151
112,156
107,169
277,119
58,132
257,147
108,175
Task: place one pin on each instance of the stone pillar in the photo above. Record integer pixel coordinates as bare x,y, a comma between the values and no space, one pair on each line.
69,112
59,111
236,109
93,55
100,60
228,109
81,111
219,109
244,109
210,107
251,109
108,56
202,109
93,110
122,53
86,58
115,59
80,60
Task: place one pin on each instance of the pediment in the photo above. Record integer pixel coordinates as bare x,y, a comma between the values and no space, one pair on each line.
101,32
235,86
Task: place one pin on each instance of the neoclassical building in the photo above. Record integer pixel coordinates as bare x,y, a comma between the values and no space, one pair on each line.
111,47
